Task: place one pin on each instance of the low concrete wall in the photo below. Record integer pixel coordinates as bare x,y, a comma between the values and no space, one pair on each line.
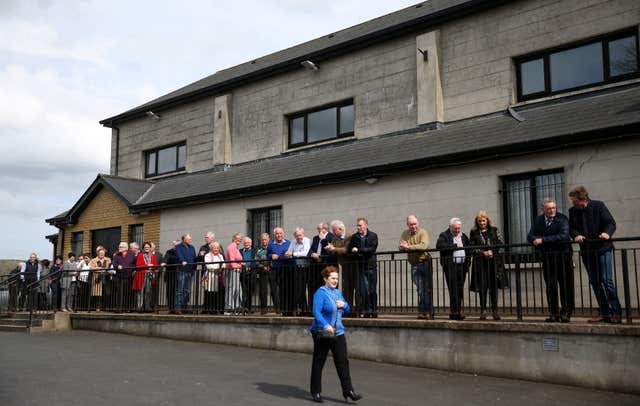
600,357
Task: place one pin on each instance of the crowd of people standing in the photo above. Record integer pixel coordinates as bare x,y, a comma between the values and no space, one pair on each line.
290,270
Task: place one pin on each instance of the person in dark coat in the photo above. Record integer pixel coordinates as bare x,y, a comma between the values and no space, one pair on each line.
15,284
186,266
455,263
550,234
171,260
29,274
591,225
363,246
55,283
124,263
487,272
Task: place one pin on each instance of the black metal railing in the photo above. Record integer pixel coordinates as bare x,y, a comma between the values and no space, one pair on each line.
515,282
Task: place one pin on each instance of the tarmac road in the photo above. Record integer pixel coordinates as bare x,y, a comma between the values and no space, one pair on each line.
87,368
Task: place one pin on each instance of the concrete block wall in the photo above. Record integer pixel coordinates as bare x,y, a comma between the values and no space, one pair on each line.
477,51
192,122
435,196
381,80
475,69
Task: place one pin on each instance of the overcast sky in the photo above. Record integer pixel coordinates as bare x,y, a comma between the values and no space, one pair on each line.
65,65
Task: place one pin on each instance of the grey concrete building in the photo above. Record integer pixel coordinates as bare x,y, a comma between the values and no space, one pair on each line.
440,109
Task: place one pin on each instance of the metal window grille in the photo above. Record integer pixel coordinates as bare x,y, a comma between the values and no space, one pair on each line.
136,234
523,197
263,221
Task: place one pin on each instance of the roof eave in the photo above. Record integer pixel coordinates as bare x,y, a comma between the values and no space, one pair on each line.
479,155
452,13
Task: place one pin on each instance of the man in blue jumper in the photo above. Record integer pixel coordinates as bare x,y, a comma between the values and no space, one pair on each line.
186,255
280,255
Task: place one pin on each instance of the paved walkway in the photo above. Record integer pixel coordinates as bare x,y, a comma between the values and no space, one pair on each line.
87,368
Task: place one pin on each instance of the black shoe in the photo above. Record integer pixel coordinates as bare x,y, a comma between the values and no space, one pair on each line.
317,398
565,319
552,319
351,394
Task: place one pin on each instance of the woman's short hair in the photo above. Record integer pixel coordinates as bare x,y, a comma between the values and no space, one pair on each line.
213,245
482,214
580,193
328,271
147,243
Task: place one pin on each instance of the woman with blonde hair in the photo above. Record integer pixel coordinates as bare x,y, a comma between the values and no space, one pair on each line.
99,266
487,272
214,263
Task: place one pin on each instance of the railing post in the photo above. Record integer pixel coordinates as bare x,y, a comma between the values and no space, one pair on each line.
518,289
625,284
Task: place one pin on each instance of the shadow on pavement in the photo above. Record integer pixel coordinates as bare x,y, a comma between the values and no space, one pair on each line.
288,391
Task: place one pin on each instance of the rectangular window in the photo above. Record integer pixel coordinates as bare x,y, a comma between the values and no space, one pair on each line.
322,124
77,241
263,221
522,201
166,160
136,234
598,61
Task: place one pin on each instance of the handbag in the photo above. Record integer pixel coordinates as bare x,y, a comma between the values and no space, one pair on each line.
324,334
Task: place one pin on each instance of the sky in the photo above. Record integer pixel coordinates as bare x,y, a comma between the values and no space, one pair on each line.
66,64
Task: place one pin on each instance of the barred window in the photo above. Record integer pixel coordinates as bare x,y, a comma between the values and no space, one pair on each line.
263,220
77,240
136,234
522,199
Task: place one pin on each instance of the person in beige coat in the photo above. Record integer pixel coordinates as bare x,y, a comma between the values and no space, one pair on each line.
99,267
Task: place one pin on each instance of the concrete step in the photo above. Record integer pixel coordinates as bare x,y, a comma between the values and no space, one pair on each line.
20,322
12,328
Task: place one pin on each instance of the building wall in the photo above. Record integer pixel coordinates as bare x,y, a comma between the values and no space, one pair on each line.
477,51
106,211
475,76
381,80
608,171
192,122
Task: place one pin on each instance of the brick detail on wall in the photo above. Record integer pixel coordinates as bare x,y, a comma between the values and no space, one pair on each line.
106,211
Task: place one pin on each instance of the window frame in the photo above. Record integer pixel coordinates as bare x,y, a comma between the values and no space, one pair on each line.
147,154
270,222
305,114
534,198
131,235
545,55
75,242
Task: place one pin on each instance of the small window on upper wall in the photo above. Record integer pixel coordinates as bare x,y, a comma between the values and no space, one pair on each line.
323,124
598,61
166,160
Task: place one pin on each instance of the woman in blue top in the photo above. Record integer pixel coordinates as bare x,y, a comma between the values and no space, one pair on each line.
328,334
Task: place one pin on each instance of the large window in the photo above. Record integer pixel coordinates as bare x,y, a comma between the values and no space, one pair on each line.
136,234
603,60
166,160
263,221
77,240
320,125
522,199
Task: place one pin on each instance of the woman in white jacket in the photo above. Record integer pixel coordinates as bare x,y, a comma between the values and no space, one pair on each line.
213,288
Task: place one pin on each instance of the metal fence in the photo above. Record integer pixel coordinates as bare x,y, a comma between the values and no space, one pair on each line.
516,279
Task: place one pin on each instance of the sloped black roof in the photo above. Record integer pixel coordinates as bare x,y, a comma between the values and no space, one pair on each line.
552,125
416,17
126,189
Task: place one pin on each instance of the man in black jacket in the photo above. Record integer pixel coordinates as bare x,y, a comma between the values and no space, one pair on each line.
592,226
550,234
363,245
320,258
455,261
